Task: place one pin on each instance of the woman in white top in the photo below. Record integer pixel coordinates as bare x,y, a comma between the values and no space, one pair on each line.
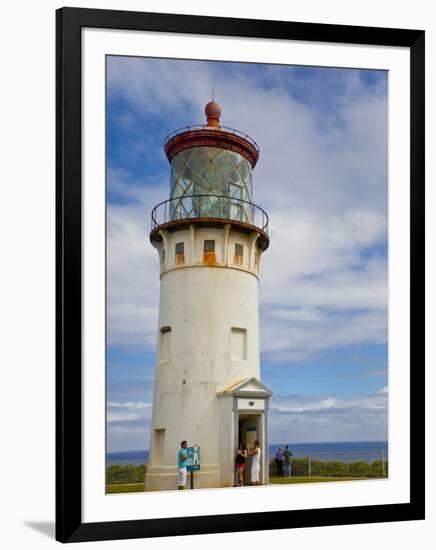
255,464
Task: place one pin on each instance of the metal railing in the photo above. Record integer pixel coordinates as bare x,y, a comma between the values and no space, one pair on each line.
214,129
209,206
357,463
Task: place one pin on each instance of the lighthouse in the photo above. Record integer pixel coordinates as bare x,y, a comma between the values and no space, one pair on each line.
210,238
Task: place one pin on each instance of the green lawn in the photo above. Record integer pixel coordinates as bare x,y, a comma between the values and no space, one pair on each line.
125,488
313,479
139,487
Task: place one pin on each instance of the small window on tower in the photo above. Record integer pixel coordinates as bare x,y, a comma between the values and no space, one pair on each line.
239,254
158,446
164,344
163,255
180,253
238,344
209,252
209,246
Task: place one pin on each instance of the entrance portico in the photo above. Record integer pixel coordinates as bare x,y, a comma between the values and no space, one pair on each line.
243,419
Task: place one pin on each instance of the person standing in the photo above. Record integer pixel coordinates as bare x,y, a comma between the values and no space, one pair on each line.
287,456
241,460
183,457
255,463
279,462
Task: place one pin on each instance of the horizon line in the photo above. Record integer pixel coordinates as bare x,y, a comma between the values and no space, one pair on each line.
281,443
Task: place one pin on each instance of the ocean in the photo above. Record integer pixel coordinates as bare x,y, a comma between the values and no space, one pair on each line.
349,451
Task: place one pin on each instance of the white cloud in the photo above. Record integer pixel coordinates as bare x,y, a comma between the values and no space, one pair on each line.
114,417
132,266
128,425
307,405
152,86
298,403
130,405
126,412
128,422
300,419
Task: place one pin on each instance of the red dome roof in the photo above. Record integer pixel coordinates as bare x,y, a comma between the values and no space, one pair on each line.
213,113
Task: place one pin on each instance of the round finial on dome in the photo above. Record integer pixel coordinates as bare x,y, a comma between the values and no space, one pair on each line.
213,113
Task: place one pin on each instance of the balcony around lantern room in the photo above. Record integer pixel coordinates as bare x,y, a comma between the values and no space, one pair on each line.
211,211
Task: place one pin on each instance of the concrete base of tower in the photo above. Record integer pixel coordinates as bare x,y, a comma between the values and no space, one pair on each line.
165,478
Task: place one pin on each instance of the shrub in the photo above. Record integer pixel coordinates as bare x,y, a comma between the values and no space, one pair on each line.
116,473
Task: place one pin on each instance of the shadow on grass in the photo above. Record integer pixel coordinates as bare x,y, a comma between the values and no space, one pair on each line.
313,479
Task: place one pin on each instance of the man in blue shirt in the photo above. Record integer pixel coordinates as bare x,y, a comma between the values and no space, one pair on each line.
183,457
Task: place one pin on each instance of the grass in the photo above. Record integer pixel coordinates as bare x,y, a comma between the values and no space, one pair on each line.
139,487
313,479
125,488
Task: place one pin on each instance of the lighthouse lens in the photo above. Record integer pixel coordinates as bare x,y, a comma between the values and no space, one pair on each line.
209,182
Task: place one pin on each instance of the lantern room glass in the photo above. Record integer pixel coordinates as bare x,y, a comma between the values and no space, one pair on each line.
209,182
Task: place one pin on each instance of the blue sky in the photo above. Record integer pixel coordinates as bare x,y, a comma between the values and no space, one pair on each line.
322,178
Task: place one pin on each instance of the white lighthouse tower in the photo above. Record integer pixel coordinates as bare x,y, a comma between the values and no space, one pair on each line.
210,238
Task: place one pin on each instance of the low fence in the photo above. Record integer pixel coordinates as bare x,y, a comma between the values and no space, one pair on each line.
330,464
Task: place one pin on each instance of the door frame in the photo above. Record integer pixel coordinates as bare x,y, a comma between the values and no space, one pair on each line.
261,436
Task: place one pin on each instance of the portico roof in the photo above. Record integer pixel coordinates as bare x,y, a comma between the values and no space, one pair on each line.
247,387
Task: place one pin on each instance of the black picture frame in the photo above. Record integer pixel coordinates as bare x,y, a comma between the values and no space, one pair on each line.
69,22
